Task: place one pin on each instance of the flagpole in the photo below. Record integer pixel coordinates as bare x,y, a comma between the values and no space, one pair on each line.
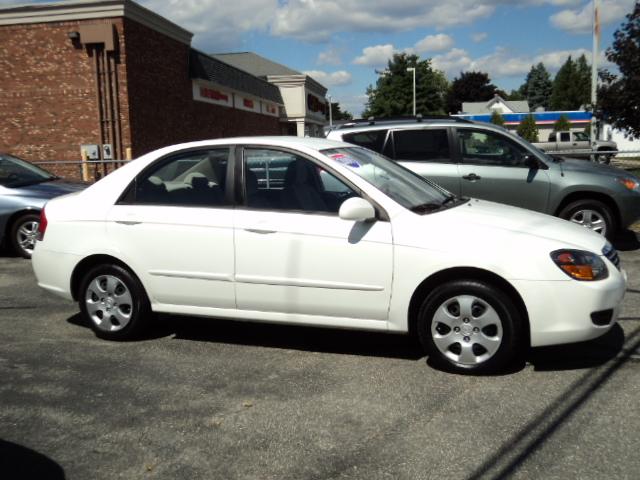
594,67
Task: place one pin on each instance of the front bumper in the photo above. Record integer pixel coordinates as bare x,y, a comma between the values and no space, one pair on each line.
560,312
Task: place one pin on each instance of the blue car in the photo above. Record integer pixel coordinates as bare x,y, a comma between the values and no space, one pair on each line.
24,189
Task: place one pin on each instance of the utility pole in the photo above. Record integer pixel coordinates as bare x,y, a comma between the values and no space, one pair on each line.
412,69
330,112
594,67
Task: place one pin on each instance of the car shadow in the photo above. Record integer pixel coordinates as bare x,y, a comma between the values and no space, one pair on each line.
626,241
21,462
574,356
577,356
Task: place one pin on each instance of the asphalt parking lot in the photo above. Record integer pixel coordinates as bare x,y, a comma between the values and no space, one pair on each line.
217,399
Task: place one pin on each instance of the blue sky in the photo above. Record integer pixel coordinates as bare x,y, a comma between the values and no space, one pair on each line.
342,42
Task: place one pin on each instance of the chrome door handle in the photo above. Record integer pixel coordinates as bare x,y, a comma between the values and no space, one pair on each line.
259,230
472,177
127,222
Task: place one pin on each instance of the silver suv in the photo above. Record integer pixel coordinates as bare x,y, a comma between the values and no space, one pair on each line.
484,161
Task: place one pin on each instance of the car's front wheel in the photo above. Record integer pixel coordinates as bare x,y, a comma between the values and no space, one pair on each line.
591,214
23,234
114,303
470,326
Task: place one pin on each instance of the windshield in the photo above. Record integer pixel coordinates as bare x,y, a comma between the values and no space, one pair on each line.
18,173
402,185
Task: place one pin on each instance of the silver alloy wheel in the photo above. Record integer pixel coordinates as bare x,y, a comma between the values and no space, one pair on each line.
467,330
591,219
26,235
109,303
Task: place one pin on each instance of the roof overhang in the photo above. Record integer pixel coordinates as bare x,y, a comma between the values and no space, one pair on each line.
89,10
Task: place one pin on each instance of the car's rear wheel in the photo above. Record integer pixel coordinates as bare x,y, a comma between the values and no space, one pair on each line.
470,326
591,214
114,303
23,234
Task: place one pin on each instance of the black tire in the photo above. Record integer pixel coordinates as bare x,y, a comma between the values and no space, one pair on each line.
22,234
597,206
108,318
511,332
604,157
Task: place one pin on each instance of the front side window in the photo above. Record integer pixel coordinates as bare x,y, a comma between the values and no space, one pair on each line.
430,145
283,181
581,137
195,178
489,148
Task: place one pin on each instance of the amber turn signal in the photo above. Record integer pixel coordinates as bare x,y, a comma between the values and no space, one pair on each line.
580,265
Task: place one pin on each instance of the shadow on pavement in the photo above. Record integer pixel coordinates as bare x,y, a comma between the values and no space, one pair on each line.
515,451
575,356
18,462
626,241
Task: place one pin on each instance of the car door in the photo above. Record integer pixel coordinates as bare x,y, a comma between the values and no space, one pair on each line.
294,255
494,167
174,226
427,152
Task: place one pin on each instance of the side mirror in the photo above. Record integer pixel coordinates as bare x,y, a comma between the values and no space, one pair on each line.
358,209
531,161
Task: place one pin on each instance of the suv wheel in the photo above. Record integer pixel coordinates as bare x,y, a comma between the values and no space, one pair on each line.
591,214
470,326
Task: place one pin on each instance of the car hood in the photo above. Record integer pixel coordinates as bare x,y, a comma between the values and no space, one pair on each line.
585,166
51,189
498,224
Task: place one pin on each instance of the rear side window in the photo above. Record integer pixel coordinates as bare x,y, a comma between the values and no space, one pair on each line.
195,178
565,137
422,145
373,140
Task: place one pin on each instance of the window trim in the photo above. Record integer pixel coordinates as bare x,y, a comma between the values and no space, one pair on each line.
461,160
391,138
160,162
381,213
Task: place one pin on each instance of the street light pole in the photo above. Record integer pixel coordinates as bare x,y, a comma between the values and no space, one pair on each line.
330,112
412,69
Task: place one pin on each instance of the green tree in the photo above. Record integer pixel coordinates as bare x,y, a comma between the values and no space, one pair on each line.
393,92
619,97
516,95
528,129
338,114
469,87
538,87
562,124
497,118
572,85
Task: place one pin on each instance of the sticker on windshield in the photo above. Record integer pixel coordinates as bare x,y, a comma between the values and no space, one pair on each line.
345,160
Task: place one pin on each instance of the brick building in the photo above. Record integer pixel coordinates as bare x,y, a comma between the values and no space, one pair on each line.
110,72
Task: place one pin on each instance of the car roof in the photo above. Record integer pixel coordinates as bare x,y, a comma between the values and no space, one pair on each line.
403,123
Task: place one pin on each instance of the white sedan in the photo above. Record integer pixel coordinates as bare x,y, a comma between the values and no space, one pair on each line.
316,232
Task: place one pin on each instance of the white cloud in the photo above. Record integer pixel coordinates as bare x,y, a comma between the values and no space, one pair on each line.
501,64
330,56
317,20
333,79
479,37
581,20
376,56
218,24
434,43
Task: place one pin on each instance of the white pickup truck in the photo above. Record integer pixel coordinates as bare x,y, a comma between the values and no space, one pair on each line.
577,145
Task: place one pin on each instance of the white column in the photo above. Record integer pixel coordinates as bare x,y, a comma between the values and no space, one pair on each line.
300,128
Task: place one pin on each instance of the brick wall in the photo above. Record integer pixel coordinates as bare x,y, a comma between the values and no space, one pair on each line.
47,93
162,109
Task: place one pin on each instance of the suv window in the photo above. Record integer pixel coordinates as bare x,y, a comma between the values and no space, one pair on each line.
489,148
373,140
422,144
195,178
565,136
282,181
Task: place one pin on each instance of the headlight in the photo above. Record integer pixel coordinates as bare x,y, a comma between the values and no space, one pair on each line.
580,265
628,183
